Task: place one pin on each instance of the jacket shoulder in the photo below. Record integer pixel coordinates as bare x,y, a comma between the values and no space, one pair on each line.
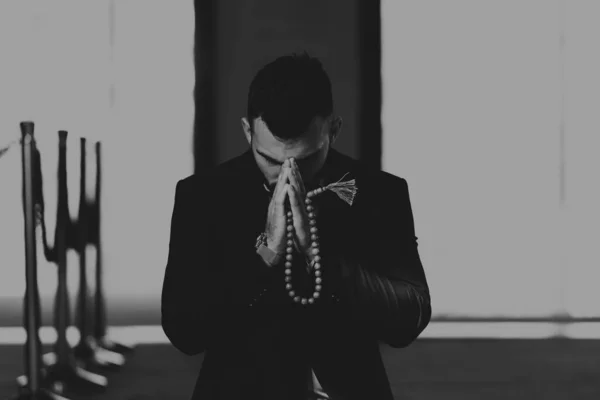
213,176
377,180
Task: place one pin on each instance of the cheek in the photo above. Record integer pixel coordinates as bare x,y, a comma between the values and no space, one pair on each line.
271,172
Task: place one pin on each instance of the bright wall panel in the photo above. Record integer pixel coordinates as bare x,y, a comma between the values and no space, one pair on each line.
471,120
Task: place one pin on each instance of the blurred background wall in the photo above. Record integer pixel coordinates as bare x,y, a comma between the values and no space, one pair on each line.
490,113
487,111
117,71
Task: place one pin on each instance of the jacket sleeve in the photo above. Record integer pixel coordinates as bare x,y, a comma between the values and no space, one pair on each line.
199,296
385,286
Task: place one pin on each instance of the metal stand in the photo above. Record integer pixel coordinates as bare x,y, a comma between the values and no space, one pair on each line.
36,385
95,238
88,350
61,367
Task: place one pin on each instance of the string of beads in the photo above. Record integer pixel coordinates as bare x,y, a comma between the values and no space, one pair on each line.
315,251
346,191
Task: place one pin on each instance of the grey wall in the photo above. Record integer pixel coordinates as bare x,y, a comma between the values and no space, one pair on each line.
252,33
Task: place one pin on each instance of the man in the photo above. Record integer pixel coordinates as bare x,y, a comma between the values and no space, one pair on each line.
275,318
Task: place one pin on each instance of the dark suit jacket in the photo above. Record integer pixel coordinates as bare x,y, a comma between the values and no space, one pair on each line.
221,299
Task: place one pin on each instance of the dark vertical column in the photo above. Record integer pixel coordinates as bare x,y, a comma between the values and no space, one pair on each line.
369,42
204,91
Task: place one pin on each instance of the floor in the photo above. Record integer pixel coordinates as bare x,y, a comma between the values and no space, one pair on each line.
429,369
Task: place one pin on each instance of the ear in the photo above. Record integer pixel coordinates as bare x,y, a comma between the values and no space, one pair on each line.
247,128
335,128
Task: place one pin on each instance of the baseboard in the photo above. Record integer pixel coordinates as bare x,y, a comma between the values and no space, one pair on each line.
153,334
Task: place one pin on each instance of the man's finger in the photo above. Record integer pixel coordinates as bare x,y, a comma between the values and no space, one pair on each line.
293,198
282,179
297,211
294,179
296,171
280,199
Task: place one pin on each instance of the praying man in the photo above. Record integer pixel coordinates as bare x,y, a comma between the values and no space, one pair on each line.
291,263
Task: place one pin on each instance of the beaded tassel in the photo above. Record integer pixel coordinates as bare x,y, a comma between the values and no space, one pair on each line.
345,191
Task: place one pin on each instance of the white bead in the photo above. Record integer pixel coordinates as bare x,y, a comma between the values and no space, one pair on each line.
288,278
315,251
289,257
312,222
318,288
288,271
315,244
289,214
311,300
316,295
289,250
318,281
297,299
290,228
311,215
288,264
304,301
292,293
317,273
317,258
313,229
288,286
317,266
290,234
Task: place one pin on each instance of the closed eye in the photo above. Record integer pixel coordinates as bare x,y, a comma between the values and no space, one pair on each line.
273,161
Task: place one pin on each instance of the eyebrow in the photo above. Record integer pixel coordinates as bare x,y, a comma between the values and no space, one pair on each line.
274,161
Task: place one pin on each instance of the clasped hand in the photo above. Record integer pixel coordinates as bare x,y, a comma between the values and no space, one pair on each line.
289,185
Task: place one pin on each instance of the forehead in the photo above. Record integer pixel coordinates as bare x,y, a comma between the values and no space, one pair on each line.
312,140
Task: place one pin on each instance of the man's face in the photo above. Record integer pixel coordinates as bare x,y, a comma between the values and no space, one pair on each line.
310,150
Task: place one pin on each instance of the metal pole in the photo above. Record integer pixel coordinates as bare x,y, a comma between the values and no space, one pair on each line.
32,347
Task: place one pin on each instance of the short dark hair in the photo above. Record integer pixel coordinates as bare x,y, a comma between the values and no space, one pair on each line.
288,93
